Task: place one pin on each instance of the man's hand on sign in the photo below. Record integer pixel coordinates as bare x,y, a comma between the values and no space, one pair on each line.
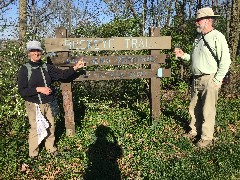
178,52
79,64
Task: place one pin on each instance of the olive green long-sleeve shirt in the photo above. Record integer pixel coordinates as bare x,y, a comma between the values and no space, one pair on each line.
202,61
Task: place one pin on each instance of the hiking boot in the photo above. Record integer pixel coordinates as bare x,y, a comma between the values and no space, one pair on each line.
54,154
204,143
189,135
34,157
33,161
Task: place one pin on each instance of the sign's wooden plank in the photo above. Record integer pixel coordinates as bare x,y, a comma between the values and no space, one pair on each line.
121,74
114,43
111,60
166,72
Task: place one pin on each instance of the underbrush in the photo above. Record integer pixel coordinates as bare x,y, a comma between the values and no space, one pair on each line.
117,142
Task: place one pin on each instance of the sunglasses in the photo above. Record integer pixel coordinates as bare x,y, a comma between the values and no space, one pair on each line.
35,50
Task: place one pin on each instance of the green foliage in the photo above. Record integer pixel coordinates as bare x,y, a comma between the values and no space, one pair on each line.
221,25
12,113
182,36
11,103
119,28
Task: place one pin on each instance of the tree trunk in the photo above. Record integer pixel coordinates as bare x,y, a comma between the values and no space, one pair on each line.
228,16
199,4
22,20
169,14
33,19
144,14
69,19
233,45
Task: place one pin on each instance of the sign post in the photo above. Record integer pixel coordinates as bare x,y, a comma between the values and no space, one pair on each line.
155,82
66,88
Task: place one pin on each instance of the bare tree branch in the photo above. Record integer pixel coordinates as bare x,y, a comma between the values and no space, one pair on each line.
4,3
130,6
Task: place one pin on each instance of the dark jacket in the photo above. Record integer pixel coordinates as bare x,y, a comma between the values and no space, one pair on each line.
27,89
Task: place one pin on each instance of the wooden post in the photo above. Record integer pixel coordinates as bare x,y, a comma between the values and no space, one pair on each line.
66,88
155,82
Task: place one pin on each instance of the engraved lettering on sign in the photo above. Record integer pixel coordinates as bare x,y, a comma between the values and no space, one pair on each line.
102,44
136,43
92,44
136,59
96,44
89,44
102,60
114,74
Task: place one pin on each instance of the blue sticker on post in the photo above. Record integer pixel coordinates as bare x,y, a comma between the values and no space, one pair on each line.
159,74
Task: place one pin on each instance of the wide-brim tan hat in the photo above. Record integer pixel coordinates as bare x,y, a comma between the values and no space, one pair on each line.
206,12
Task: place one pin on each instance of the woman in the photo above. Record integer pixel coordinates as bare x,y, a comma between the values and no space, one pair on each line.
35,80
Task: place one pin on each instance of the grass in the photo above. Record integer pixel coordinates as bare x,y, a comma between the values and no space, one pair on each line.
117,142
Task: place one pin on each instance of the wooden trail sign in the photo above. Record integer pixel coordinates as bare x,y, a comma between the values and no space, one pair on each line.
114,43
63,45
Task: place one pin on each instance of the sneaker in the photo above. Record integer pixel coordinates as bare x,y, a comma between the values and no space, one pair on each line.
189,135
204,143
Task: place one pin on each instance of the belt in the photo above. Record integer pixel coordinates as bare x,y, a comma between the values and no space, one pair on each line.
201,75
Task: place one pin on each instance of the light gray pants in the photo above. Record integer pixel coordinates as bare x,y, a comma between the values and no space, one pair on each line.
203,106
33,137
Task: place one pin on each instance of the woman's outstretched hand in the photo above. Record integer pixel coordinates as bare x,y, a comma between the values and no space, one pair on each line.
79,64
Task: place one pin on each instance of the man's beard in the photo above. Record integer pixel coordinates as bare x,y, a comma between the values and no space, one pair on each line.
201,28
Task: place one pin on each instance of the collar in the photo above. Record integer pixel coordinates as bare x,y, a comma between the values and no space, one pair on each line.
35,64
208,32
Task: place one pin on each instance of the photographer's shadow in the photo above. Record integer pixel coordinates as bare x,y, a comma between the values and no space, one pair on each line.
103,156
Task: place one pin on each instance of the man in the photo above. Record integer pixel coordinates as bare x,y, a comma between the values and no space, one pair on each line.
207,75
35,80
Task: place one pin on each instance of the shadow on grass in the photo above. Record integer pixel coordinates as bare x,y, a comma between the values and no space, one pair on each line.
184,123
103,155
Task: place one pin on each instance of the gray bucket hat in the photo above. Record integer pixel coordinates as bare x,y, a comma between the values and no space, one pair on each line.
205,12
34,45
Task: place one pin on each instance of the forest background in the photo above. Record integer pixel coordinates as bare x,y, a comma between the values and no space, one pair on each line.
113,126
